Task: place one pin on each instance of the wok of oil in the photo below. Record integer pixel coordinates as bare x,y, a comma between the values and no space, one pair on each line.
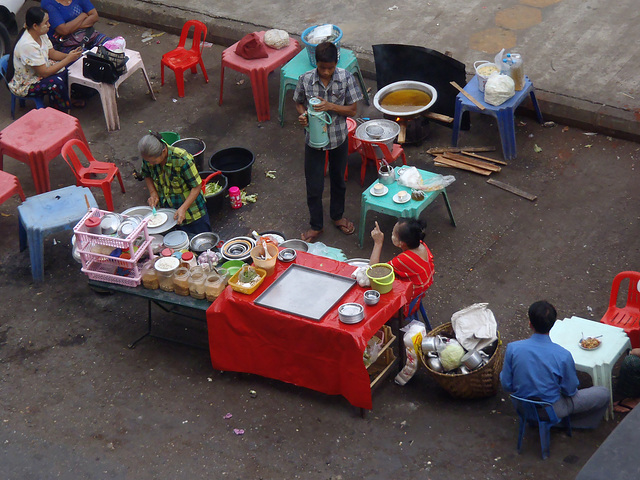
405,100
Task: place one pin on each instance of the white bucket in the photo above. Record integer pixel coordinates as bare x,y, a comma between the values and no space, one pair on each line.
482,79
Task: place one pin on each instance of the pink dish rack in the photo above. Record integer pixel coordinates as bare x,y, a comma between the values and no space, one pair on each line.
106,268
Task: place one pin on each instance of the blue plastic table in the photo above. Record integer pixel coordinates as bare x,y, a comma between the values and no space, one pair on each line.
290,73
385,203
504,114
48,213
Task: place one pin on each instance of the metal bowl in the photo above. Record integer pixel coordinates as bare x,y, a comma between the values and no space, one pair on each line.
472,360
110,223
203,242
371,297
404,85
287,255
351,313
296,244
127,226
433,362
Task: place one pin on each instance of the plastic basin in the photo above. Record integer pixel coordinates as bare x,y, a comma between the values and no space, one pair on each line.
235,163
195,147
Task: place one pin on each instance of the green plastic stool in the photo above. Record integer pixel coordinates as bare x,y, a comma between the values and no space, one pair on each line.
290,73
170,137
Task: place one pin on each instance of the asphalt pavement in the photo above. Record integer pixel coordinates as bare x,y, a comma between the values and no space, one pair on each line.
77,403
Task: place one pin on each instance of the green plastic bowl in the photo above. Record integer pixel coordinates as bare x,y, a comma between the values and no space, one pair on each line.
232,266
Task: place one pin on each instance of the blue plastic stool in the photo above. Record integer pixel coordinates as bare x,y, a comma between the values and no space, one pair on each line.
39,99
542,414
504,114
414,314
290,73
48,213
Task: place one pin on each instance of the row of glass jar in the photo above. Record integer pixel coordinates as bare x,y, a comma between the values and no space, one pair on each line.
197,281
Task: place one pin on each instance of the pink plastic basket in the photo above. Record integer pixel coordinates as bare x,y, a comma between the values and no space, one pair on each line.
103,272
84,239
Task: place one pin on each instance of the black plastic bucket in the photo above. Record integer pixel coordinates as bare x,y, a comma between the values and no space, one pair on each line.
195,147
215,202
235,163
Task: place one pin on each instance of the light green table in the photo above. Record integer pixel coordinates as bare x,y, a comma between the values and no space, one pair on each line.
385,203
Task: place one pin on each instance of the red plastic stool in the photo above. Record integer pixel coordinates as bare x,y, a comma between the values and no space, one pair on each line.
258,70
9,186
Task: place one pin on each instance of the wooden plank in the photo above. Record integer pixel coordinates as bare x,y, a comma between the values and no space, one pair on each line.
462,166
438,150
512,189
482,157
471,161
462,91
438,164
438,116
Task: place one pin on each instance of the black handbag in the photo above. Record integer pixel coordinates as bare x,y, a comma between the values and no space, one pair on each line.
99,69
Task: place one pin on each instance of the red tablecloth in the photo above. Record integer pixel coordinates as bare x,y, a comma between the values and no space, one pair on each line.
325,356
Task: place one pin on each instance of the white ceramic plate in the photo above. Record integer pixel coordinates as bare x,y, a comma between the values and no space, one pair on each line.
167,225
157,220
385,190
397,200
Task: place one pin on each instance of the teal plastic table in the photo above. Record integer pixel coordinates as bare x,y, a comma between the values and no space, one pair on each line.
290,73
385,203
597,363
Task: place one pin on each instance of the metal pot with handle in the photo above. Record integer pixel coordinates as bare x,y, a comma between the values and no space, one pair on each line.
386,173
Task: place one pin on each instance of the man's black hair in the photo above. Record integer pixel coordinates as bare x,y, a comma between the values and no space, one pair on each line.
542,316
327,52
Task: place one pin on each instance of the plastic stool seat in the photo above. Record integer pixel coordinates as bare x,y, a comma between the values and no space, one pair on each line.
36,138
290,73
258,70
47,213
504,114
9,186
386,205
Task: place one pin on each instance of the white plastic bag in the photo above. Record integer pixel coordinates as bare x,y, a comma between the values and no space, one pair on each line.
475,326
360,274
117,44
412,343
499,89
277,39
410,177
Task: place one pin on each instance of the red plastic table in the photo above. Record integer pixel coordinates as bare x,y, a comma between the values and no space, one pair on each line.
258,70
37,138
325,356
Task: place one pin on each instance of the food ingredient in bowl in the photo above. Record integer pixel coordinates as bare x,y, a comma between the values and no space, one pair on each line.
212,188
488,69
379,272
405,100
590,343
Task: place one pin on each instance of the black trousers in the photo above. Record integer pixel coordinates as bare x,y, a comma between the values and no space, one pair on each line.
314,175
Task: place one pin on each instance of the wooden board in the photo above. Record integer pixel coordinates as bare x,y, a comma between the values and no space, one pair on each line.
462,166
438,150
512,189
482,157
471,161
466,94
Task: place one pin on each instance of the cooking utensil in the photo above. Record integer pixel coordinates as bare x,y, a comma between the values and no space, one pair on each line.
405,85
371,297
204,241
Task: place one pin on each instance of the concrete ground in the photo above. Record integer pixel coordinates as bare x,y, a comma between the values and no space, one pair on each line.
77,403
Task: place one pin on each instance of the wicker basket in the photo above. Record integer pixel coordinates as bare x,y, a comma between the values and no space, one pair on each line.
480,383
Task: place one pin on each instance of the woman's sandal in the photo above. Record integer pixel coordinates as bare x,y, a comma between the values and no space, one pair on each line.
311,235
345,226
624,406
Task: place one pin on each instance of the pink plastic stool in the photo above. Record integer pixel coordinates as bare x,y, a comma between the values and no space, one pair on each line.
37,138
258,70
9,186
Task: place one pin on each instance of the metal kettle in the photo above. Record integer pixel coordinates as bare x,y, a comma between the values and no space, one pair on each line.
386,173
317,125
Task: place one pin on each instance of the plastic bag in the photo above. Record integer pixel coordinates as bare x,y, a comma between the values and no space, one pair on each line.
277,39
117,44
412,343
372,350
410,177
360,274
475,326
499,89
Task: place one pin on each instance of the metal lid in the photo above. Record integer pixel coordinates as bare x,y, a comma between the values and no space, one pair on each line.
382,129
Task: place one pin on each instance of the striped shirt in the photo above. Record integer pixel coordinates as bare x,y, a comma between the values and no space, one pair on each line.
174,181
411,266
341,90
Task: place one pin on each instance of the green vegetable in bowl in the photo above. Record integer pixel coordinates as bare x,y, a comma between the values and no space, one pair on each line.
212,188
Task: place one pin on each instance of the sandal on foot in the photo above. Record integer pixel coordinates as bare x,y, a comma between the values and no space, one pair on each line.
311,235
622,407
345,226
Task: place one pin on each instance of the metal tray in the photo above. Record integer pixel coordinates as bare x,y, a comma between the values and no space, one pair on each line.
305,291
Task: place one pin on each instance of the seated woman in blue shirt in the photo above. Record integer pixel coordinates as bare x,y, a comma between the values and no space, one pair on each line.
72,24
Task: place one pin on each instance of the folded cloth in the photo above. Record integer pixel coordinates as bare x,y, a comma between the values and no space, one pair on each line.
475,326
250,47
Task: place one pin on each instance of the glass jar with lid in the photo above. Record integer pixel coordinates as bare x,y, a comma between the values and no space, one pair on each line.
150,276
197,278
214,285
165,268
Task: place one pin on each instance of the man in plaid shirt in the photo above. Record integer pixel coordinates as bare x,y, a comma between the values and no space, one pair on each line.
173,182
339,93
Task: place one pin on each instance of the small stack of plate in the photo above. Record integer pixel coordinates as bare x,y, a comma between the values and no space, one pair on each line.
177,240
351,313
238,248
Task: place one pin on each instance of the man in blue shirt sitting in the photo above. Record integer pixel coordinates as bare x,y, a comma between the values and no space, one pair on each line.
538,369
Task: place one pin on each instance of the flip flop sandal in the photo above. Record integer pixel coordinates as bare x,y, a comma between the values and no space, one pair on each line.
621,407
311,235
348,228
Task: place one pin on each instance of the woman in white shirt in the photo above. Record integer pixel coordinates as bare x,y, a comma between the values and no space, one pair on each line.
35,68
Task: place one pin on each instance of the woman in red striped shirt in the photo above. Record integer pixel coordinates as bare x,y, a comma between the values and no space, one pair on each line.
416,261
